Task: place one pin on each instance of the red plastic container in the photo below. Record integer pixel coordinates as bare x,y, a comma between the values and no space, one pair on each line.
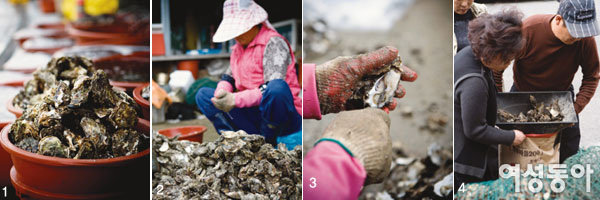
137,63
5,165
13,109
28,33
145,104
47,6
18,83
191,133
15,83
190,65
48,50
43,177
115,34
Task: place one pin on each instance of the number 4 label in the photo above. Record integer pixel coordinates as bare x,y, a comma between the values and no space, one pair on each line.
462,188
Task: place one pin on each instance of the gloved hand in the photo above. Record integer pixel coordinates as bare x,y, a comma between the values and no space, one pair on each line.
223,100
366,134
337,79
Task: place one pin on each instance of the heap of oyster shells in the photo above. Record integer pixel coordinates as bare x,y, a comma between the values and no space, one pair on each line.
58,69
538,112
236,166
378,88
73,112
429,177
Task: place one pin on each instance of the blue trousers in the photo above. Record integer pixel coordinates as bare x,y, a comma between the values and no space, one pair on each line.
569,137
275,117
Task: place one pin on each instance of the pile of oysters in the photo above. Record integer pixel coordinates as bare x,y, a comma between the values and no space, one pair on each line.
235,166
71,111
427,177
538,112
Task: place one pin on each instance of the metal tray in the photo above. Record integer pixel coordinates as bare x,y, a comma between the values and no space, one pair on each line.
516,102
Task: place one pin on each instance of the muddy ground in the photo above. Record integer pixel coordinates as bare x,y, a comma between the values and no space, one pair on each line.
424,41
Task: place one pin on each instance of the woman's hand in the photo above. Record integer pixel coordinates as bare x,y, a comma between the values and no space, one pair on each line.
223,100
366,134
519,137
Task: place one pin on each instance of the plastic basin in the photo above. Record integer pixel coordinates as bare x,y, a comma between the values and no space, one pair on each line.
137,64
17,111
145,104
43,177
111,34
191,133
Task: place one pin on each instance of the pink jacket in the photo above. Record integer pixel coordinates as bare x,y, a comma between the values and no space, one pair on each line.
247,70
329,172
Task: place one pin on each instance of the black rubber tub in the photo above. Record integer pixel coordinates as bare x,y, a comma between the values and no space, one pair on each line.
516,102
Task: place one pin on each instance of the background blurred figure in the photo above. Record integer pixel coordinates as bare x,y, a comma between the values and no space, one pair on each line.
464,11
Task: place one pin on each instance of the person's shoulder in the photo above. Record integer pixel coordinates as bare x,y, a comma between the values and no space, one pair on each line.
478,9
537,20
589,44
276,40
465,54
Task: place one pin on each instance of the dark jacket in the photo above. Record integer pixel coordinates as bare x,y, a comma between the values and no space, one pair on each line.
475,137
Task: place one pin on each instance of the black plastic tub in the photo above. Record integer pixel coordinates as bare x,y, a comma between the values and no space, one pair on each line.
516,102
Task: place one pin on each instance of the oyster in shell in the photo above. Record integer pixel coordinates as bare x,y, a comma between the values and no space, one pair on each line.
73,112
52,146
378,88
384,89
538,112
129,141
66,69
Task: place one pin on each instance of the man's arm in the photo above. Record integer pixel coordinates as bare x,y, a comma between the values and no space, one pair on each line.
590,67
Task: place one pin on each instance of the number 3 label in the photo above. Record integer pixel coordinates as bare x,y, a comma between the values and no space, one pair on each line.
313,182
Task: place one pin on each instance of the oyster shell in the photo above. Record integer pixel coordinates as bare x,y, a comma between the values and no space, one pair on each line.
377,89
129,141
66,69
384,89
77,114
52,146
538,112
28,144
237,165
146,92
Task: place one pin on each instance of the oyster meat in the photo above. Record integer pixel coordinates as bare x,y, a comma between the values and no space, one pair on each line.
377,89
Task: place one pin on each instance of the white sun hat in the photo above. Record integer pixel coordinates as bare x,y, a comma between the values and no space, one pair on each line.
239,16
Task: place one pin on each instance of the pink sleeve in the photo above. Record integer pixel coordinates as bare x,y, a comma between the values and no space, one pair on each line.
248,98
310,108
333,173
224,85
